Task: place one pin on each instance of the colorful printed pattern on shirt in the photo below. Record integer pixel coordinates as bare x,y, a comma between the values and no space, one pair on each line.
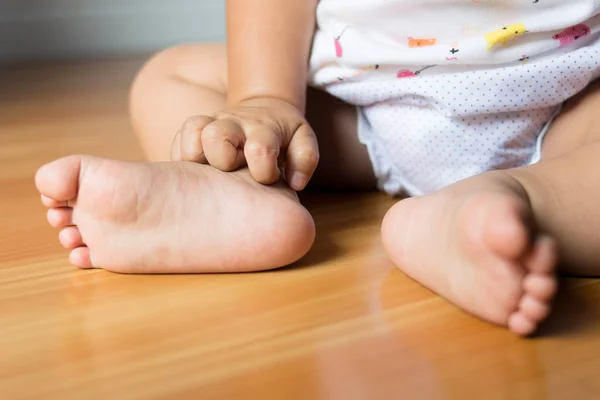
376,39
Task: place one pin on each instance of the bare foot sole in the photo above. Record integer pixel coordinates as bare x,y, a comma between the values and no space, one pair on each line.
472,243
171,217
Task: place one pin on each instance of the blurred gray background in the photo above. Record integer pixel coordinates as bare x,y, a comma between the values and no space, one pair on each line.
43,29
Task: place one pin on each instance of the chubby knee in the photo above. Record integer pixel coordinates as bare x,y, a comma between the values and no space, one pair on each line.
156,69
167,61
160,66
196,64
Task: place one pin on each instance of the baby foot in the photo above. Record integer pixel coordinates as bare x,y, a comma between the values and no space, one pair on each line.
472,244
171,217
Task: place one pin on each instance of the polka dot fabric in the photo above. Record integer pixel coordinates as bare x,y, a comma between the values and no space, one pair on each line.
430,131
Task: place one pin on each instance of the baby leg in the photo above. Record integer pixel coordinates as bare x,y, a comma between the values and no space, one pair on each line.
490,243
564,188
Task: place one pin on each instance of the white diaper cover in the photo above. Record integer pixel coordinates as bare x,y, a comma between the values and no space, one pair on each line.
448,89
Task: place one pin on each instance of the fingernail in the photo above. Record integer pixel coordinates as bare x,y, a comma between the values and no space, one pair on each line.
298,180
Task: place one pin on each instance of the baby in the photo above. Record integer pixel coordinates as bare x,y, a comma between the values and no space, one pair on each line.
463,104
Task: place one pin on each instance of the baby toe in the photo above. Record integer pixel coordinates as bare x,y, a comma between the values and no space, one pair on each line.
70,237
533,308
60,217
543,258
520,324
51,203
541,286
80,257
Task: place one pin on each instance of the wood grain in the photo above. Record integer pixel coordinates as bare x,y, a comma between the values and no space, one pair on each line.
341,324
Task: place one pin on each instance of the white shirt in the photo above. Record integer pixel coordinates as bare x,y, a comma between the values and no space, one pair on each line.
381,39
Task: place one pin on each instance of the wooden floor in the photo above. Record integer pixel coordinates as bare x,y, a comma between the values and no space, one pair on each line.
341,324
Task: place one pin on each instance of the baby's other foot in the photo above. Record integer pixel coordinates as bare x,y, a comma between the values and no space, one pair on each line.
171,217
473,244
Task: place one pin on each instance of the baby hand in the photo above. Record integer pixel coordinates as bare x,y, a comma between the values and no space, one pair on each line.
261,133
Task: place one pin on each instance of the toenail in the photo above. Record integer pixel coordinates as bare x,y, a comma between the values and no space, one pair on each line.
298,180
